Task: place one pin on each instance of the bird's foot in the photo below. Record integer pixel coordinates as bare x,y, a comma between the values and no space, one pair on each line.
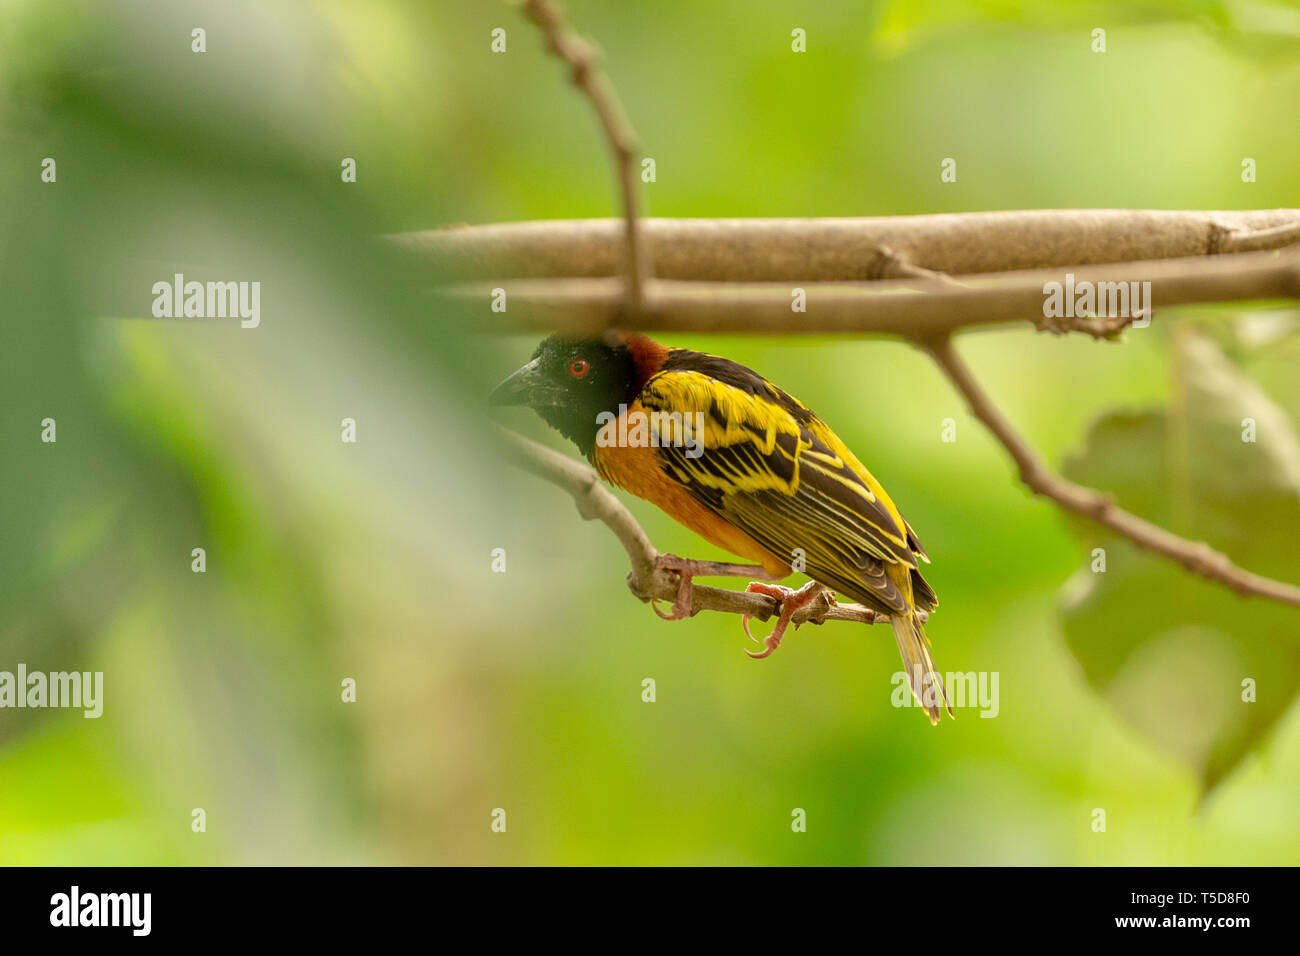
791,601
685,569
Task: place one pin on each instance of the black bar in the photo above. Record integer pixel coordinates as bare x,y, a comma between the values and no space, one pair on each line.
931,906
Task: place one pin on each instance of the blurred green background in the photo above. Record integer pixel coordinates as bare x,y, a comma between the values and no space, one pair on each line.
522,691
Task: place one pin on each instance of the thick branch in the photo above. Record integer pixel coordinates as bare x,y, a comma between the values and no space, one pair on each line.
646,580
1196,556
830,250
911,307
582,58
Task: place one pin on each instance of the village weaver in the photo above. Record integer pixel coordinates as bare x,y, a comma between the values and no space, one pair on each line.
747,467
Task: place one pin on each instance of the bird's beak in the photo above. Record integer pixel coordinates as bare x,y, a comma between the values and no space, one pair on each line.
528,386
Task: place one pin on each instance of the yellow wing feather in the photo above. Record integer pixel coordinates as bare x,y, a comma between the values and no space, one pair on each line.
765,463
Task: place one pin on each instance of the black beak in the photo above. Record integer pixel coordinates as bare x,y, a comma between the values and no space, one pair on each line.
528,386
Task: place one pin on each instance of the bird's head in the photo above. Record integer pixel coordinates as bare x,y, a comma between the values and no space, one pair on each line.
570,380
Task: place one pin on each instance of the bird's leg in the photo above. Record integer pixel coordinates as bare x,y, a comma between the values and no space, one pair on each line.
791,601
685,569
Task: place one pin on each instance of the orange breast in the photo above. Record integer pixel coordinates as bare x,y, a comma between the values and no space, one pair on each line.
637,470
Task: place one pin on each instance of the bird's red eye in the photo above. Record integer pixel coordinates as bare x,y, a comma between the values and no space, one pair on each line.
578,368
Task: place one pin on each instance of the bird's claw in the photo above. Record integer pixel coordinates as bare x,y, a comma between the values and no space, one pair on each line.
676,613
681,607
789,601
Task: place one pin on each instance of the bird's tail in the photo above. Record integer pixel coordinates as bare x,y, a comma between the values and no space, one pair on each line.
925,681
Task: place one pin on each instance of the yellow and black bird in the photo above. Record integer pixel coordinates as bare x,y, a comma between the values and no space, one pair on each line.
746,466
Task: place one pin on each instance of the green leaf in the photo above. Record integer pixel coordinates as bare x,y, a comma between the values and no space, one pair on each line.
1174,652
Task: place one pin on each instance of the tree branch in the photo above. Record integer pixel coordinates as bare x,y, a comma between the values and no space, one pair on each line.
910,308
1196,556
646,579
582,59
836,250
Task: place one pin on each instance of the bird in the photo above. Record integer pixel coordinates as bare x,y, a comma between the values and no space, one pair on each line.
747,467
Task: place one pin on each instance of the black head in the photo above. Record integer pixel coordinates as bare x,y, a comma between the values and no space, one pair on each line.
570,381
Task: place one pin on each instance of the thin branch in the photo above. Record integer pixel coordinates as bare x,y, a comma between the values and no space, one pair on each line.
835,250
910,308
594,500
1196,556
582,58
646,579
